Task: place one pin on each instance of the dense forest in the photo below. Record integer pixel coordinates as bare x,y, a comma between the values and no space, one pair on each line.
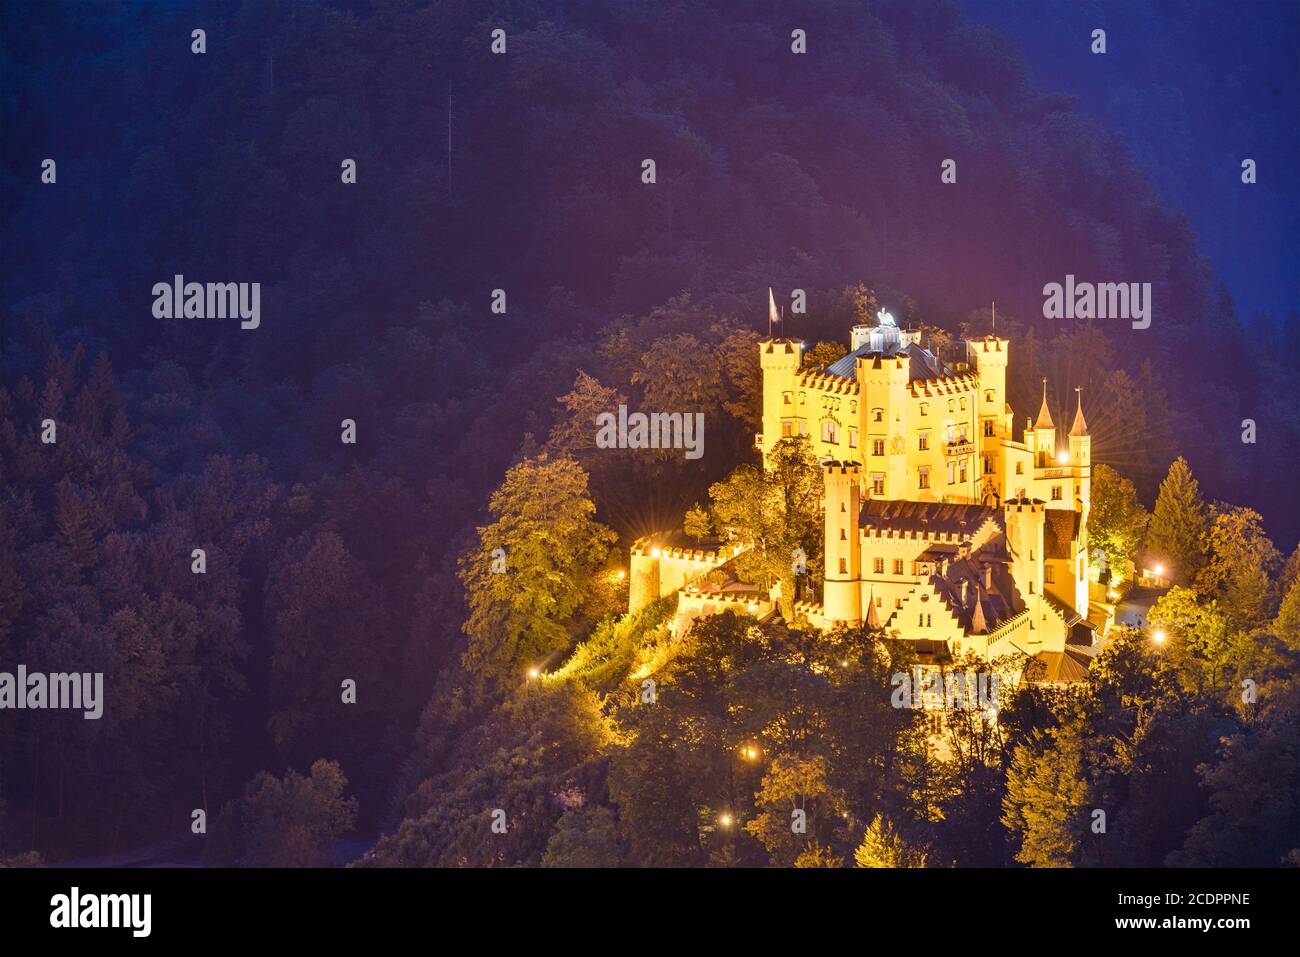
329,562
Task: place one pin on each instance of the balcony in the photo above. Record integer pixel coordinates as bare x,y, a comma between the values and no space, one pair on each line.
954,449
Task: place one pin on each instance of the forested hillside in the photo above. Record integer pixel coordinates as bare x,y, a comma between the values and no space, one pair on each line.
521,172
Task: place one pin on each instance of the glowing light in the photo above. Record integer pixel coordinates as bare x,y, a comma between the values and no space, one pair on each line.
725,820
753,607
750,752
1113,595
1158,636
844,664
533,673
1159,570
655,553
621,574
885,318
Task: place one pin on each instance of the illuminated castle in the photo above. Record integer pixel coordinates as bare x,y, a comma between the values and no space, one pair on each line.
939,525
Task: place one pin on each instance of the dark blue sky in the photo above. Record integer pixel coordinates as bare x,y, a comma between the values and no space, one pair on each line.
1191,88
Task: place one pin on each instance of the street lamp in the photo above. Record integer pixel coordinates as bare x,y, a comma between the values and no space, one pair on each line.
1158,636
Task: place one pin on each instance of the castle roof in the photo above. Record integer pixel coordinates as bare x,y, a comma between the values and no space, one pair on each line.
926,517
1080,427
924,365
1060,529
1044,416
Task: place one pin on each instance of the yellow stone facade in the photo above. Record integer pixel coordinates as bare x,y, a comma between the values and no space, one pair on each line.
940,525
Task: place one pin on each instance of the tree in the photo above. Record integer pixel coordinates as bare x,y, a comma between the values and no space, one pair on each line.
284,822
1176,534
823,354
1254,793
1287,624
1241,558
583,837
795,789
1200,639
1116,520
1046,801
775,510
546,540
882,846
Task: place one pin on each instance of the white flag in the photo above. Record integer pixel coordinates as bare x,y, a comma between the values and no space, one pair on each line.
771,307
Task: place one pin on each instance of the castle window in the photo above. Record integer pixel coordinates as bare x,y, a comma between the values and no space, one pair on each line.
923,441
925,408
787,398
878,415
988,465
878,566
988,395
951,405
1031,588
898,569
877,483
1056,493
803,397
988,426
787,430
1020,468
828,432
843,536
853,405
962,404
962,470
853,438
923,477
877,446
963,433
879,602
803,427
898,604
844,567
1031,554
1049,575
952,472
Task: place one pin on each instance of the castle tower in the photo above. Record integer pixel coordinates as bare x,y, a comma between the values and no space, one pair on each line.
842,596
989,356
643,576
1081,464
1044,447
1024,524
779,359
882,415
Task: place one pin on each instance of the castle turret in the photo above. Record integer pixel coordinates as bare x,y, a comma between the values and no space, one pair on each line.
779,359
643,576
842,596
989,357
1024,524
1044,434
1081,464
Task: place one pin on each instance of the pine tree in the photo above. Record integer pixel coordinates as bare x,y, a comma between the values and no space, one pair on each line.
1176,535
882,846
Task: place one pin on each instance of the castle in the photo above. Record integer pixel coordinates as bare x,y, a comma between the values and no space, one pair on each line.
940,526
